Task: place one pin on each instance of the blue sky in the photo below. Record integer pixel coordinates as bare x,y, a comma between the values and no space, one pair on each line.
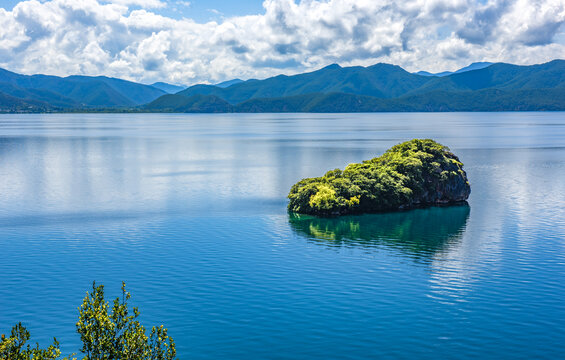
199,10
203,11
194,41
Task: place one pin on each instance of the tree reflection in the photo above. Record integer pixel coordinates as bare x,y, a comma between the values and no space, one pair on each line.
418,233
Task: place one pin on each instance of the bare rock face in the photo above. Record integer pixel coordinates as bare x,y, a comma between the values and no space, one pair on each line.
412,174
446,184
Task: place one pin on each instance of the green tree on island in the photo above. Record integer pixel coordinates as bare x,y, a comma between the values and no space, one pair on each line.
419,172
108,335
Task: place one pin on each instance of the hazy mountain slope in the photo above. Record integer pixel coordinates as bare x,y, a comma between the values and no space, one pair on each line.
228,83
168,88
474,66
501,76
82,90
92,94
471,67
137,93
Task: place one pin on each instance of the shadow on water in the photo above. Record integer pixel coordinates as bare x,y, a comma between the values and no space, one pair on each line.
418,233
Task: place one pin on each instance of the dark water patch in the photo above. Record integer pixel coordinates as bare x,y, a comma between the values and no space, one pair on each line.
418,233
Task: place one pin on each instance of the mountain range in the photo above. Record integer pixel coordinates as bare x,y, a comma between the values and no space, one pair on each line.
44,93
381,87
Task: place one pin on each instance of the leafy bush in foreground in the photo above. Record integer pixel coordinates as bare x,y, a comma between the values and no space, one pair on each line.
114,335
12,348
414,173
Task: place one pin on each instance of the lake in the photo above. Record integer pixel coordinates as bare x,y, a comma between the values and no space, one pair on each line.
190,211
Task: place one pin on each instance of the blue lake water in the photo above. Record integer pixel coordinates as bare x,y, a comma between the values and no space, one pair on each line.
190,211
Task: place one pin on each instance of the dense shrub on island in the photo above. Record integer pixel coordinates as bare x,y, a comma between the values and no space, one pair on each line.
111,333
412,174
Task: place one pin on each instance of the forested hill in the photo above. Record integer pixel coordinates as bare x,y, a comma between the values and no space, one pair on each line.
381,87
53,92
380,80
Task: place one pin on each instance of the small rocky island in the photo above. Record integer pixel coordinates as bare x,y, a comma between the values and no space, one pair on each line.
412,174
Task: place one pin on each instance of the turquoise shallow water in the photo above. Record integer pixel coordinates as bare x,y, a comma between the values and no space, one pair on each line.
190,211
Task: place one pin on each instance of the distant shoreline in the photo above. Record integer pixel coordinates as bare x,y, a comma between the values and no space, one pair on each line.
108,111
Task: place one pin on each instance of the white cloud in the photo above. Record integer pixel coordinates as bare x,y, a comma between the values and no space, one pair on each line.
119,39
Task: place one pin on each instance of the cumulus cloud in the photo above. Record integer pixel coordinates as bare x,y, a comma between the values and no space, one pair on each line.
130,39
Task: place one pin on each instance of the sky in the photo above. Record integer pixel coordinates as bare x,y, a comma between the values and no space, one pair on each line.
197,41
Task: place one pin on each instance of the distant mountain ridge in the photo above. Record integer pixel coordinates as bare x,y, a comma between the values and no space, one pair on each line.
380,80
228,83
473,66
168,88
501,76
55,92
380,87
384,87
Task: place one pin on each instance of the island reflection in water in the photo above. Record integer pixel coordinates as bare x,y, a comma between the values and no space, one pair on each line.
418,233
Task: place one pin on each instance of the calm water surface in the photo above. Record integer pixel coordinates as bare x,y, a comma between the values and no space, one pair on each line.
190,211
